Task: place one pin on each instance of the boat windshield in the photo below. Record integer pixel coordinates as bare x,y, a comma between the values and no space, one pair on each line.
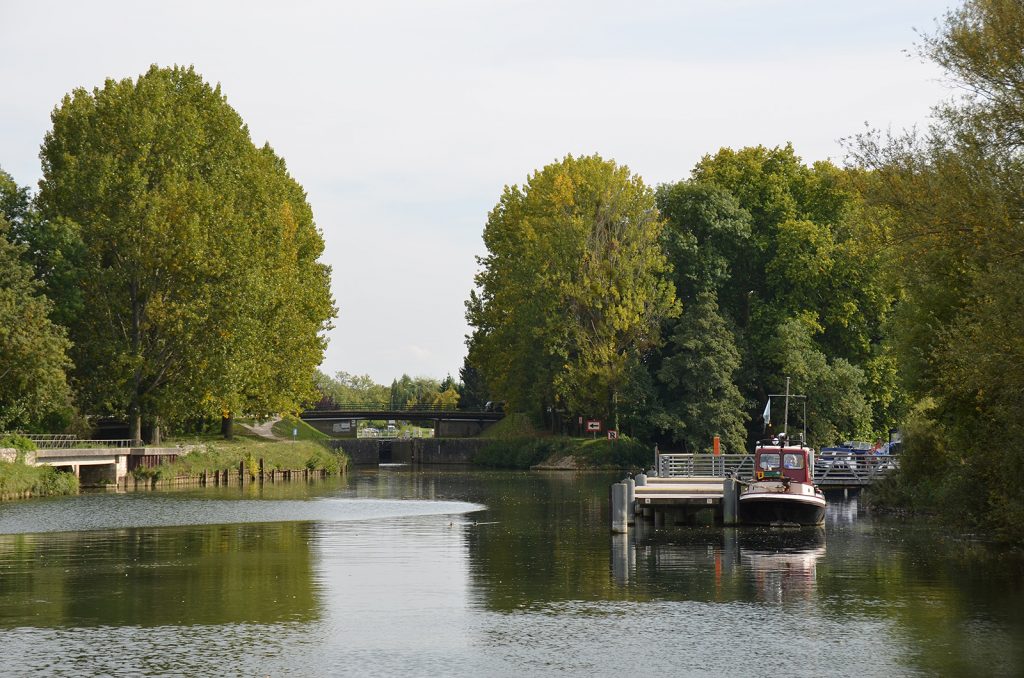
795,461
769,461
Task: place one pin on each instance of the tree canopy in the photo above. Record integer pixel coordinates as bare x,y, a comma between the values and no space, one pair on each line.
33,350
778,278
949,203
572,289
182,258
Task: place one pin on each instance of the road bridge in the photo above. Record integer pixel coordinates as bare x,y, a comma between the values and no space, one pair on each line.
448,422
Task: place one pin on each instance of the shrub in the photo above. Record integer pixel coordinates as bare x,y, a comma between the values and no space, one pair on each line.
18,442
520,453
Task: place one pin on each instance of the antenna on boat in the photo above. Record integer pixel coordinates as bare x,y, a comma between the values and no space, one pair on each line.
785,418
785,422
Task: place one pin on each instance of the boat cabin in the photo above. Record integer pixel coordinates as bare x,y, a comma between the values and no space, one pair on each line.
778,461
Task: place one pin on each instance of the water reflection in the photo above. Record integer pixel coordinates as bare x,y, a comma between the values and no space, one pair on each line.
217,574
373,576
766,564
788,570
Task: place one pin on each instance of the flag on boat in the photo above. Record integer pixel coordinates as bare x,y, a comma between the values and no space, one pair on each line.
767,414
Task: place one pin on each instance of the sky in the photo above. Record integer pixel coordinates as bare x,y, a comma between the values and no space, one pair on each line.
404,120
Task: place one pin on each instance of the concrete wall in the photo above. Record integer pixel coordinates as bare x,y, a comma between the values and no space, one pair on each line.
426,451
362,451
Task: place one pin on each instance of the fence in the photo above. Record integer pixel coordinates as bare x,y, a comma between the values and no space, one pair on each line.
69,442
829,470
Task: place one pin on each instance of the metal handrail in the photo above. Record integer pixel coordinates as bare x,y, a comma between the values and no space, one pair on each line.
842,469
741,465
67,442
389,407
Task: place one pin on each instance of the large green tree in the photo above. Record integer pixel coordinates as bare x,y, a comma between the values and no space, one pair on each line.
33,350
183,258
571,290
951,204
774,243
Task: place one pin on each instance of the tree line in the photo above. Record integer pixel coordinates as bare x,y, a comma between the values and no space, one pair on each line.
166,271
889,289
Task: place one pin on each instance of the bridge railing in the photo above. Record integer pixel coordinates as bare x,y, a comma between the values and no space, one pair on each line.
69,442
697,465
387,407
853,469
828,470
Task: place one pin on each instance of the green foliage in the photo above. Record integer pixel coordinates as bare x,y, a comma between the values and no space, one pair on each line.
276,456
949,205
33,350
571,289
520,453
283,429
698,374
623,453
18,479
182,258
17,442
423,391
512,426
778,272
473,393
350,388
526,452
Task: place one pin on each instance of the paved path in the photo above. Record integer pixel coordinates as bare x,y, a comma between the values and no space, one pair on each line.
266,429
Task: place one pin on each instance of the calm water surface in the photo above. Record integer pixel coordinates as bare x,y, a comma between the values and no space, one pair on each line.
491,574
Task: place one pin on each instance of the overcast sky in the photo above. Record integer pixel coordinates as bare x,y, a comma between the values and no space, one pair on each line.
403,120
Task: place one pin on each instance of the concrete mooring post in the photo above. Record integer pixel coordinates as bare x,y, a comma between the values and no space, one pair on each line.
730,502
630,500
619,520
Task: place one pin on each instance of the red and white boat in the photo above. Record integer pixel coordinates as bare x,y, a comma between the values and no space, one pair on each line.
782,491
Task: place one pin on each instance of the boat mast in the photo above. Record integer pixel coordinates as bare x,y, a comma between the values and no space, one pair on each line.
785,420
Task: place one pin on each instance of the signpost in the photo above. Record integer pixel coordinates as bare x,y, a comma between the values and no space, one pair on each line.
593,426
612,434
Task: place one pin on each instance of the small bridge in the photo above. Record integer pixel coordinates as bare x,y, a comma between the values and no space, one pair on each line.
94,462
830,471
448,421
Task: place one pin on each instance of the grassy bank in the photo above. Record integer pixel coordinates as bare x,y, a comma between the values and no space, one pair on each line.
19,480
277,456
563,452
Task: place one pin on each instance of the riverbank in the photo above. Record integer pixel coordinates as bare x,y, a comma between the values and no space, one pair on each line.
18,480
243,460
564,454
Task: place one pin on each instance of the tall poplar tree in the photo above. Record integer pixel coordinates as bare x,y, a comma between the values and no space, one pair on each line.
33,350
192,255
572,288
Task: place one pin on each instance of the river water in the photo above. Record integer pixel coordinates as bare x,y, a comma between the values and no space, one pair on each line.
395,572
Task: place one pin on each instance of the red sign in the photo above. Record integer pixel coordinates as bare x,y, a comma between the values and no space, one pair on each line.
612,434
593,424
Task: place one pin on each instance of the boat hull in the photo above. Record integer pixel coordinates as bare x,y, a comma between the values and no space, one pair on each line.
781,508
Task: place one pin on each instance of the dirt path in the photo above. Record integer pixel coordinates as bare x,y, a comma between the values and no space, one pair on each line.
265,430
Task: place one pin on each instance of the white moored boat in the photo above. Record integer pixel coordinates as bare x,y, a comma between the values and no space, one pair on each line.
782,491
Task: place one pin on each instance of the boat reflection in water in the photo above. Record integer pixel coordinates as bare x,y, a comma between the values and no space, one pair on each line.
783,567
774,565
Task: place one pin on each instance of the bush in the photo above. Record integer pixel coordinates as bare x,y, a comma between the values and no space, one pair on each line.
624,453
52,482
520,453
18,442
